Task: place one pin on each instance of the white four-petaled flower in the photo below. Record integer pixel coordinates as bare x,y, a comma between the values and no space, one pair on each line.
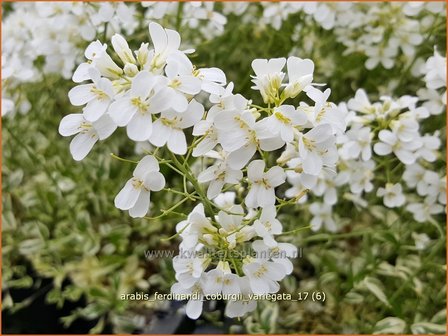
135,195
87,133
263,184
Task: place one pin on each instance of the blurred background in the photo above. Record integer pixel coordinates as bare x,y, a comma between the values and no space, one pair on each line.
67,252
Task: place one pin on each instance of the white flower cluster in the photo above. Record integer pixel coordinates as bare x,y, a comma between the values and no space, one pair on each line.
152,92
58,33
148,82
51,33
308,131
386,135
434,95
380,32
202,17
327,15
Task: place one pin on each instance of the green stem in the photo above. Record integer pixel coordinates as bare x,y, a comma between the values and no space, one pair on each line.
105,31
184,172
170,210
294,231
235,266
185,194
176,234
180,7
122,159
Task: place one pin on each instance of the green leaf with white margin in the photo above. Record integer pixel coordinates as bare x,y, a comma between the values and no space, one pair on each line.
390,325
428,328
268,318
98,328
374,286
353,297
440,317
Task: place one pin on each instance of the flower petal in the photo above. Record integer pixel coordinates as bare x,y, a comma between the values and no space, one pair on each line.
255,170
81,94
127,197
140,127
141,207
155,181
146,165
177,142
82,144
121,111
70,124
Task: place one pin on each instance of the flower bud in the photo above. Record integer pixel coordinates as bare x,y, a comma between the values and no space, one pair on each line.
121,47
142,54
130,69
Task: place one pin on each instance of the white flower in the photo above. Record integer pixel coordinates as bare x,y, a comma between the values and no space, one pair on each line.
241,136
166,42
181,82
221,280
392,195
7,106
316,148
100,59
195,304
226,100
323,111
262,189
300,75
423,212
206,12
207,129
421,240
434,102
322,215
233,229
379,54
280,253
283,121
212,79
189,268
390,143
430,145
424,180
225,200
406,129
88,133
361,176
97,96
135,109
268,226
268,77
326,185
93,52
218,175
238,308
361,103
168,129
441,197
357,143
263,275
193,229
108,11
328,15
434,70
135,195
